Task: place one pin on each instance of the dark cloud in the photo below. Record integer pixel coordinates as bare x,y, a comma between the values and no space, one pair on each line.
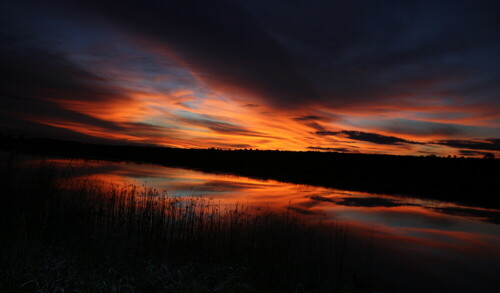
309,118
492,144
223,43
424,128
220,126
316,126
330,53
36,82
33,68
36,73
332,149
239,146
367,136
30,109
223,145
469,153
250,105
386,50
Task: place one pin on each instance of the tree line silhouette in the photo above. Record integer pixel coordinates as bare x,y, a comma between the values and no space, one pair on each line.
467,180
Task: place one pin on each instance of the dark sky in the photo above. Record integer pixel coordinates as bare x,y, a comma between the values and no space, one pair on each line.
399,77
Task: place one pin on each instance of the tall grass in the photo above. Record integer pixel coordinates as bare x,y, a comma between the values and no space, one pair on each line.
64,234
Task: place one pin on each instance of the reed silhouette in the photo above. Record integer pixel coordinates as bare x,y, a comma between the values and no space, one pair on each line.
86,235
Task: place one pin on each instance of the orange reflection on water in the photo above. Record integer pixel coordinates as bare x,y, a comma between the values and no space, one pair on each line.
405,224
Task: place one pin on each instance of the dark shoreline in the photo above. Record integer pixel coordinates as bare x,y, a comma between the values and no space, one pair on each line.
464,180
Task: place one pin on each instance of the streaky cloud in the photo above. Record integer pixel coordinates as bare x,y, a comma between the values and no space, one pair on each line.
368,137
492,144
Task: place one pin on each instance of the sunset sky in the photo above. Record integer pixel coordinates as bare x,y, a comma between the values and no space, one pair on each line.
392,77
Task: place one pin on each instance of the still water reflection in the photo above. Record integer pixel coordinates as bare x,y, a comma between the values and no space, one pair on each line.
457,240
408,216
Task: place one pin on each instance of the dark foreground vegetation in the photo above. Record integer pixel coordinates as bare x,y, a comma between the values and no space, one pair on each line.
465,180
59,234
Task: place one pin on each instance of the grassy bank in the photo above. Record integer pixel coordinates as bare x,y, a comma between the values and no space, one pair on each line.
61,234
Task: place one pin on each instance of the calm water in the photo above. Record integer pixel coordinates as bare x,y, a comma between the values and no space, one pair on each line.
436,240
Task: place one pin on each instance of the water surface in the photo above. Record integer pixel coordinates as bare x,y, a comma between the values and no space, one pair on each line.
440,242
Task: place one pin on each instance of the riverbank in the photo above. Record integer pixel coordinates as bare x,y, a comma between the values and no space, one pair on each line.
464,180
